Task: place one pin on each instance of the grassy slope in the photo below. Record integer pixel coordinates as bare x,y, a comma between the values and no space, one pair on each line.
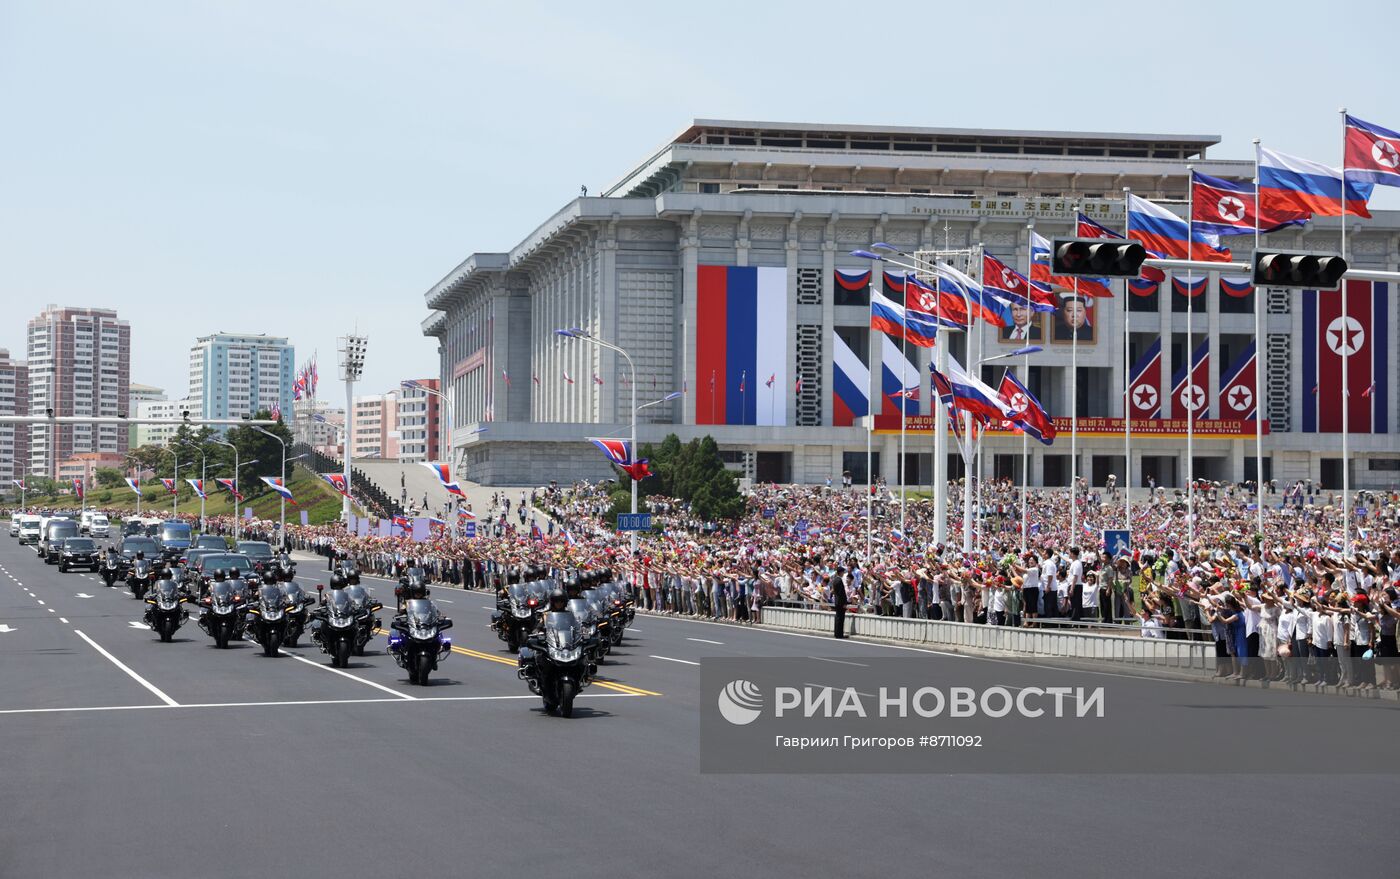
313,494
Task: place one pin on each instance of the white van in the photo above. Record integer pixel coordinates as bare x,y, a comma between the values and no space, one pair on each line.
28,529
98,526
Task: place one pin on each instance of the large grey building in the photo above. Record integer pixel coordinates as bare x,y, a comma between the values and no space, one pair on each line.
721,262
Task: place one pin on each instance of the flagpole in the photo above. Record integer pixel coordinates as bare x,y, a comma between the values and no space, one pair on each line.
1258,362
870,404
1025,453
903,401
1128,379
1346,355
1190,374
981,342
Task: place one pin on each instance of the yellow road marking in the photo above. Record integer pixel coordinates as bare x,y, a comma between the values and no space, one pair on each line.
608,685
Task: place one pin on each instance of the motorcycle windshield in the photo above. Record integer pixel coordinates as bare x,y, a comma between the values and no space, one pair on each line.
422,618
358,595
340,610
294,593
416,575
270,601
562,630
582,612
221,596
142,567
167,595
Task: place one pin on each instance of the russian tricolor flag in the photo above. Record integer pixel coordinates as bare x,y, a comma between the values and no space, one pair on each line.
1161,231
275,483
970,394
732,304
444,474
1288,183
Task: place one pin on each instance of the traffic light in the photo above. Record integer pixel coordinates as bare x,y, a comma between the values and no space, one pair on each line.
1314,272
1097,257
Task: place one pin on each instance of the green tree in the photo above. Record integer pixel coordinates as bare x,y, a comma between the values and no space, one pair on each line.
108,477
256,446
693,472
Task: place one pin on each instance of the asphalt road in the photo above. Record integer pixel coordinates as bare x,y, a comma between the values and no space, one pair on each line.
125,757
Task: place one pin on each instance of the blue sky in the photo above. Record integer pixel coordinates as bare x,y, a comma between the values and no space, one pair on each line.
302,168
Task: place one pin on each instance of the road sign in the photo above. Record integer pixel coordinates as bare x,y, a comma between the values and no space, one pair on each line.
1116,543
469,529
634,521
769,512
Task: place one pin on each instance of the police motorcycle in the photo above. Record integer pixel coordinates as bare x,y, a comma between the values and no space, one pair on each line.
335,623
266,621
165,607
222,616
349,571
617,611
413,583
298,612
588,627
518,618
284,566
113,566
365,607
602,619
555,661
141,576
416,639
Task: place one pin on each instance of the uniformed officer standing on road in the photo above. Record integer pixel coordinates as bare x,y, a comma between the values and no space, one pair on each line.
838,600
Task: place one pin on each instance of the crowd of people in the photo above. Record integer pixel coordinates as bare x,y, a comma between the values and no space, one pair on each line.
1290,592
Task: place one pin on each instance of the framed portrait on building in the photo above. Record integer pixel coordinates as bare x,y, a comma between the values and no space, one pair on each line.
1026,326
1074,319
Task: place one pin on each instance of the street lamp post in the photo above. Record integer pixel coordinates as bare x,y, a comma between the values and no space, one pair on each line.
129,457
235,483
282,499
202,476
175,486
583,335
352,366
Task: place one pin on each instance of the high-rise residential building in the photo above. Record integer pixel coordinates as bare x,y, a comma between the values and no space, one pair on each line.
140,394
160,434
375,429
79,364
14,400
237,374
418,421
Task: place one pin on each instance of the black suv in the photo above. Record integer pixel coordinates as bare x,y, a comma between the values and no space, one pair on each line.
78,552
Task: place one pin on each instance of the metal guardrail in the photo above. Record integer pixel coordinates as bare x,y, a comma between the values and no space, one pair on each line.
1058,643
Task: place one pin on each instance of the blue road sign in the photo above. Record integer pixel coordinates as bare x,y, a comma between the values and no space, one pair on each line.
634,521
1116,543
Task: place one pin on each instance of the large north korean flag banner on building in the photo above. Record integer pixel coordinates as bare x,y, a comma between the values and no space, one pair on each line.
1363,335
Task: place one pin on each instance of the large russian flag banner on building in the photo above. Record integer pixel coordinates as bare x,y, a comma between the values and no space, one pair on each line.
1237,387
741,334
1143,391
1364,335
850,384
897,374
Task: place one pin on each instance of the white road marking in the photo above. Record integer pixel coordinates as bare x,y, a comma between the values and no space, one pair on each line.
669,659
50,610
40,600
422,701
83,595
7,628
134,676
63,620
705,641
838,661
347,674
135,625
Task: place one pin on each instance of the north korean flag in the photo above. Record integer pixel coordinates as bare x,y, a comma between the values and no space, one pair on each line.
1372,153
169,485
1363,335
1026,412
337,482
78,488
1193,396
1011,286
1144,395
1220,207
231,487
1237,387
618,451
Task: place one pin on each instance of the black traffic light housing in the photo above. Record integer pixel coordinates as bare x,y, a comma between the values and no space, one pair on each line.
1322,271
1097,257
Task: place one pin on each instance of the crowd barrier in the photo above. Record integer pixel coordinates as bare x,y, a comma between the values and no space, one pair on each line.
1193,656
